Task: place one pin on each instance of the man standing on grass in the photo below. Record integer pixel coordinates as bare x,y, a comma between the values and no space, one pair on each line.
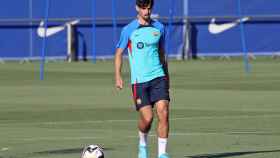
144,39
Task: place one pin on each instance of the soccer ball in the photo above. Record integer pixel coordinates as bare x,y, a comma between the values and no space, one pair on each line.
92,151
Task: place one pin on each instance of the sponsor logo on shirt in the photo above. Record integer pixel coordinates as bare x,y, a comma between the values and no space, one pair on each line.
140,45
138,101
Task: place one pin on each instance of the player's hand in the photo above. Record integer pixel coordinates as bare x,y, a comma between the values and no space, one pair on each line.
119,83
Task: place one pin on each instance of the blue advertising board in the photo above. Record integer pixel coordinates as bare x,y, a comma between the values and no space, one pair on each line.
261,36
28,40
21,26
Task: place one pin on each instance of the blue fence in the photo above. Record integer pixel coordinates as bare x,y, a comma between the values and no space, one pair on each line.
261,29
21,26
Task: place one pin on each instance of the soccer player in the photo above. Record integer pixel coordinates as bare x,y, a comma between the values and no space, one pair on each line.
144,39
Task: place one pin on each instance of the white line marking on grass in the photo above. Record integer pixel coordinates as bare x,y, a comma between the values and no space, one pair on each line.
171,119
87,138
121,121
183,134
86,122
134,136
59,138
4,149
224,117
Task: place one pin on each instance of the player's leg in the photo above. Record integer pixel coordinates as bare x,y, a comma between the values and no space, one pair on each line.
162,109
144,126
144,107
160,96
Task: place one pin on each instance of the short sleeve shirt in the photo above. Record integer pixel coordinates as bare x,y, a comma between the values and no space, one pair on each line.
143,43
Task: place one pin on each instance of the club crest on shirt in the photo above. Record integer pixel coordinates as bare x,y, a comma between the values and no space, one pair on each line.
140,45
156,33
138,101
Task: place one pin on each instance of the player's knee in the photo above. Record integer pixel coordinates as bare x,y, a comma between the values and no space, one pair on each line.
163,116
147,120
162,111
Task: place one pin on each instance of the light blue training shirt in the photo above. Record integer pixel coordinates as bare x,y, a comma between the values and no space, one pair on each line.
143,42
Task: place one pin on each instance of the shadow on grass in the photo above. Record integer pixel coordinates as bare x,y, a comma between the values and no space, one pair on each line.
231,154
64,151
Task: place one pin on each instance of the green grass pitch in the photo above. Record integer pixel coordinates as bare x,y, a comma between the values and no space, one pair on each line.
217,110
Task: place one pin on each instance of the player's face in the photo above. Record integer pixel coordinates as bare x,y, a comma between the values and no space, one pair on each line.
144,12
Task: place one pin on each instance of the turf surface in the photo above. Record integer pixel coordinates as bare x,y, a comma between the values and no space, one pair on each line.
218,111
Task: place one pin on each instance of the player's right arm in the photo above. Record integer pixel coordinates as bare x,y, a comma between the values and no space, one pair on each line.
121,46
118,68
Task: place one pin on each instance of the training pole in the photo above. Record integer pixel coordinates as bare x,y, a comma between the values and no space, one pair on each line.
169,28
44,42
247,65
114,20
93,31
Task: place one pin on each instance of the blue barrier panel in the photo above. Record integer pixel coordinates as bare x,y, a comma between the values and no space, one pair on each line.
261,35
30,32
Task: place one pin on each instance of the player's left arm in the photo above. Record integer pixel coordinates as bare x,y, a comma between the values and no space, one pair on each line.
163,60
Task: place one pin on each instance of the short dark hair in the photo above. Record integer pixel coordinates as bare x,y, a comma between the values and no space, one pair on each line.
144,3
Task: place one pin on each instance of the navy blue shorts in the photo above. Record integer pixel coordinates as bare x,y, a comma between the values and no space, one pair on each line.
148,93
